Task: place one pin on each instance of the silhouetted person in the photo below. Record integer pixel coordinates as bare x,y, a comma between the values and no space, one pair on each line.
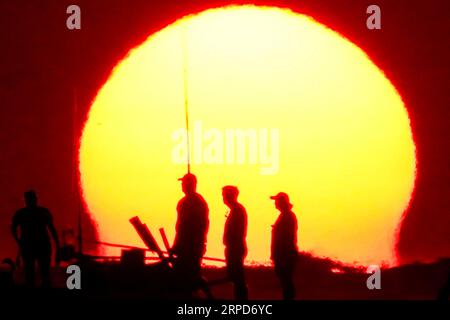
191,231
34,223
234,239
284,250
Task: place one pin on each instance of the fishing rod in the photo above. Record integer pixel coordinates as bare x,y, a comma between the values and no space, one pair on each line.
186,97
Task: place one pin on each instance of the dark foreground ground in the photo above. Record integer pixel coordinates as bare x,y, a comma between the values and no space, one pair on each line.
316,279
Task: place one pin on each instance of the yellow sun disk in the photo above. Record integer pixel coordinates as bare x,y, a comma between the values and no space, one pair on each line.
346,154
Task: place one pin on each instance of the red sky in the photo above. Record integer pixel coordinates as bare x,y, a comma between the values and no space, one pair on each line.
42,61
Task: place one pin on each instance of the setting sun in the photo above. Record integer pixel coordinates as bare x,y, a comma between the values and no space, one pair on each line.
277,102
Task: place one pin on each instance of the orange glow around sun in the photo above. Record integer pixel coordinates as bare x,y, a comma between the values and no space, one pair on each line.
278,102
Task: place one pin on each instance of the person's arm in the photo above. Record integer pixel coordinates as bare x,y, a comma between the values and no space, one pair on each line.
176,241
54,234
285,237
199,222
205,220
225,232
243,226
291,234
238,227
274,246
14,226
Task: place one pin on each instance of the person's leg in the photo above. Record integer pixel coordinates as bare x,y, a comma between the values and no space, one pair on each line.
284,271
205,288
29,268
229,265
288,284
236,273
202,283
187,269
279,272
44,261
182,281
240,285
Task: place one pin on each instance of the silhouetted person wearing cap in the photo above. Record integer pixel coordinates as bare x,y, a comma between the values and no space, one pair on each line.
191,232
234,239
34,242
284,250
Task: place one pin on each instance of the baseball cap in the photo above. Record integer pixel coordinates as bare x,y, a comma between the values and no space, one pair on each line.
188,177
281,196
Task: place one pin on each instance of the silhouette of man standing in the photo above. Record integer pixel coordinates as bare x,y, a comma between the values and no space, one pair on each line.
34,242
284,250
191,231
234,239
